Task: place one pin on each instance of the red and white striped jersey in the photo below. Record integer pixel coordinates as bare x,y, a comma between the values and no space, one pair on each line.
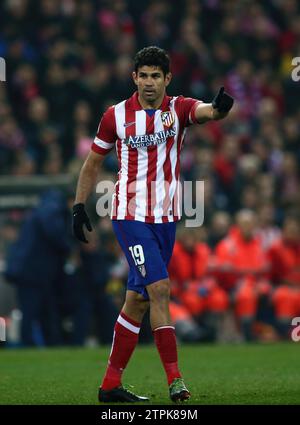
148,148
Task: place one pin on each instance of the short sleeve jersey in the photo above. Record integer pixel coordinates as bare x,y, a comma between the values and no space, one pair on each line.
148,146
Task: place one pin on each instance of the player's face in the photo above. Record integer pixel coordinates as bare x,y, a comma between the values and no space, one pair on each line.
151,83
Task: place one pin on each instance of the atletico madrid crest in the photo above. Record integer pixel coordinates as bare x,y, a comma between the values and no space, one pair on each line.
142,270
167,118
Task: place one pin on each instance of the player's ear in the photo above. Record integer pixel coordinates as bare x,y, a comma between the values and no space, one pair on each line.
168,78
134,77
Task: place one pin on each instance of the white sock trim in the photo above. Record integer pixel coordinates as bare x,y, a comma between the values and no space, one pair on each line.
164,327
128,325
112,345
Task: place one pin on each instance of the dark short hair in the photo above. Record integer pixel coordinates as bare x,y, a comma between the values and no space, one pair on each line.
152,56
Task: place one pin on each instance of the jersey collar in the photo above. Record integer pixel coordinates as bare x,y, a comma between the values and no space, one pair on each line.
134,104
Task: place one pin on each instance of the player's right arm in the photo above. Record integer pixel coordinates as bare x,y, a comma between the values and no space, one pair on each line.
88,176
86,182
103,144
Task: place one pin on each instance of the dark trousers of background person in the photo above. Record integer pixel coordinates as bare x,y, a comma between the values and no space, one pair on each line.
40,318
96,313
91,311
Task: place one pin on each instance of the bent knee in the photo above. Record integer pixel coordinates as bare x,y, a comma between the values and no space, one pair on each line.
136,301
159,290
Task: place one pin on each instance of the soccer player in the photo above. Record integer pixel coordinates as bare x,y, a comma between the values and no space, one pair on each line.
147,131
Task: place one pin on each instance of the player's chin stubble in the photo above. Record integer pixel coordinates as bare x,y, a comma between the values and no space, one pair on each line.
150,97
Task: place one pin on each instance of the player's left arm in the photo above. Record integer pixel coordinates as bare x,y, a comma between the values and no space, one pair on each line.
216,110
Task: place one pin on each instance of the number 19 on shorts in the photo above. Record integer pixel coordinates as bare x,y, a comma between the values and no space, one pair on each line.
137,254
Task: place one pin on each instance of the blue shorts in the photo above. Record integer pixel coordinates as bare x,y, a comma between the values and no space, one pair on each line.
148,248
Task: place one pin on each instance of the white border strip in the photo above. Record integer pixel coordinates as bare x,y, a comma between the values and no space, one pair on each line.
164,327
102,144
128,325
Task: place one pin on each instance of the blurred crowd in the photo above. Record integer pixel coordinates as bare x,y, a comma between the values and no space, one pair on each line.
68,60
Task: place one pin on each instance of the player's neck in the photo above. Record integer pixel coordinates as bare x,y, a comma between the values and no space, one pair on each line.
151,105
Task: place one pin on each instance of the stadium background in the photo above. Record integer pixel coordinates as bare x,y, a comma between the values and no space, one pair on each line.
67,61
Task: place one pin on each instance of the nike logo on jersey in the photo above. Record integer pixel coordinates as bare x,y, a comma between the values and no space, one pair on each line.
128,124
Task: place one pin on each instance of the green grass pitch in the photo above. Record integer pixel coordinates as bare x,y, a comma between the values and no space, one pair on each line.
215,374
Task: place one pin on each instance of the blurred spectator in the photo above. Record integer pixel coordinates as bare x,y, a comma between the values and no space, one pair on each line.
91,299
191,285
284,256
267,228
219,228
241,267
289,181
225,163
11,141
35,264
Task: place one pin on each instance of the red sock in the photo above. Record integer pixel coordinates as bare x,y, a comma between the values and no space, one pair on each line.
165,341
126,336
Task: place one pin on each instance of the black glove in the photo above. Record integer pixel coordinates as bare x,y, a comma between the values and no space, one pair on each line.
80,218
222,101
